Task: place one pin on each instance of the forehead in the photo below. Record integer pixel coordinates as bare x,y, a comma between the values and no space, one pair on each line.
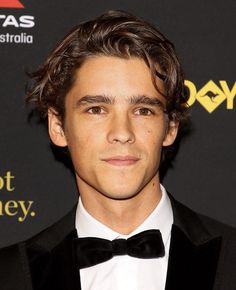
113,76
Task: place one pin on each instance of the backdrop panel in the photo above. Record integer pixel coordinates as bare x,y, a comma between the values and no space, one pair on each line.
35,189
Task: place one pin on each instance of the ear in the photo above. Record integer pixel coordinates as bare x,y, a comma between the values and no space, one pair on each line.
171,133
55,129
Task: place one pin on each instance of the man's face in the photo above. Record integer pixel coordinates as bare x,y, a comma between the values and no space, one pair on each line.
114,127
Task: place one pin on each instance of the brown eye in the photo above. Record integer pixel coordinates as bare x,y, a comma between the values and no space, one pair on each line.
143,112
95,110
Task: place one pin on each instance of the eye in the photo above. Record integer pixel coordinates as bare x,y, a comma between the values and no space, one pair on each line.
144,112
96,110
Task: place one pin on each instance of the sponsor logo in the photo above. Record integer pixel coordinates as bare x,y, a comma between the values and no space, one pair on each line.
212,95
10,4
14,29
21,210
16,38
23,21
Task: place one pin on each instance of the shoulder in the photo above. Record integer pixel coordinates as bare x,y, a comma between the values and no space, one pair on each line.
199,227
48,237
213,242
216,226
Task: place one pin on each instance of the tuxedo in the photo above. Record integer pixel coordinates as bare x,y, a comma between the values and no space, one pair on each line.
202,256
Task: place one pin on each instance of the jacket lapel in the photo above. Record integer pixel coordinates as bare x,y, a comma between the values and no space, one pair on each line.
51,257
193,257
194,252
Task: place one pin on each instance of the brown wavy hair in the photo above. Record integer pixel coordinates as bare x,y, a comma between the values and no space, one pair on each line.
115,33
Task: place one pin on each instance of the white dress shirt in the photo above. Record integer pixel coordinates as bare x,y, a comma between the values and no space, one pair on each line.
125,272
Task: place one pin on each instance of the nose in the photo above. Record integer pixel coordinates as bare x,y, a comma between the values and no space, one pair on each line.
121,129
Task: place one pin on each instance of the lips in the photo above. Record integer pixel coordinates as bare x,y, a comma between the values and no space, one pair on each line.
122,160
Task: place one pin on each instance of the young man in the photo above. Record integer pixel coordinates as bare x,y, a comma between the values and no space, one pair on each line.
112,91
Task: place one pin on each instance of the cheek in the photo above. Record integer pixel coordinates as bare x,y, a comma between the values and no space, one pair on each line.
154,136
83,143
76,133
152,140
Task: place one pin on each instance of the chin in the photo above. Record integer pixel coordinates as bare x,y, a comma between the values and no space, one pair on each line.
121,194
120,197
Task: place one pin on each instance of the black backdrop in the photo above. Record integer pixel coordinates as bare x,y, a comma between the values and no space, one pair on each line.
35,189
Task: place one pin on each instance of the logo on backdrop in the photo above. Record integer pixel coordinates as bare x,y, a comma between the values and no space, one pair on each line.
10,4
15,28
212,95
19,209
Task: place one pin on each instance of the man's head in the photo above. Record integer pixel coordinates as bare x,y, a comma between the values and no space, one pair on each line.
118,34
113,93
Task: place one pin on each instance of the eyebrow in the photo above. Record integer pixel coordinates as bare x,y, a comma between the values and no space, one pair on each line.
145,100
134,100
95,99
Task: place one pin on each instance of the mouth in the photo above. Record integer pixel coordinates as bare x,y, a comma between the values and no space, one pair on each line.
122,160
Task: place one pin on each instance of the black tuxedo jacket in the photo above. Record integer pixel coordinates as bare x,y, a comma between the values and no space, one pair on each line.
202,256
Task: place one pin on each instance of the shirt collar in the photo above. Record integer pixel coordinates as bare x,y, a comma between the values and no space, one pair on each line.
161,218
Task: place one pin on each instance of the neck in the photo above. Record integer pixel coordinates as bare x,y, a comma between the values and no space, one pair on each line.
122,216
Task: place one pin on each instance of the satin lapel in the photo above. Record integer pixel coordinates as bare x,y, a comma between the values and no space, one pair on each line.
191,267
51,257
194,253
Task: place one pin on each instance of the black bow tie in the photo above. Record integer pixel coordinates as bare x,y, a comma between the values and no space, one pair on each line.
92,251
